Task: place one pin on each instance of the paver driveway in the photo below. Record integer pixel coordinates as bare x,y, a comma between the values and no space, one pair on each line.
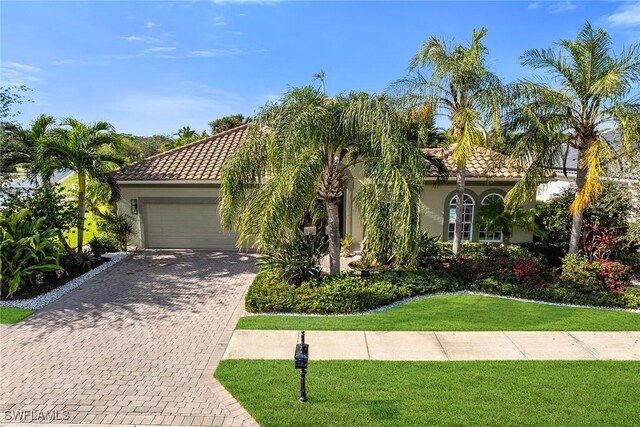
137,344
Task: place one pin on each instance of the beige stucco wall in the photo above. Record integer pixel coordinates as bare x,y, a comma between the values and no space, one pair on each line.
433,208
138,191
434,200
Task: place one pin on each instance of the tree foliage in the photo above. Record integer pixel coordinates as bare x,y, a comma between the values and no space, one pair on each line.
586,90
227,122
299,150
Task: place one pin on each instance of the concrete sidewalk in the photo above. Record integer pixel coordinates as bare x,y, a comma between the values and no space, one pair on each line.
416,346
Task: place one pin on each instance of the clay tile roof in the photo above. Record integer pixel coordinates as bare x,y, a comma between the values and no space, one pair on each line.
199,160
485,163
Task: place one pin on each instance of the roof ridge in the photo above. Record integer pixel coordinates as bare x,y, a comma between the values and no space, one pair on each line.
183,147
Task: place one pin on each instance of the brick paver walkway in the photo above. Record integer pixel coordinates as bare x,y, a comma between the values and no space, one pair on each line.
137,344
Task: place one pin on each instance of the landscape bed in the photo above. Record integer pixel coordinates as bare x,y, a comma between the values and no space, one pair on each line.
368,393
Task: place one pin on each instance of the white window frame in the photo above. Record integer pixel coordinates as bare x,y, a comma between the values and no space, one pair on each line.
482,231
451,223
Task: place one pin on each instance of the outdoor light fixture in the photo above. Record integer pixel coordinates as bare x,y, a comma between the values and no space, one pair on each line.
134,206
301,362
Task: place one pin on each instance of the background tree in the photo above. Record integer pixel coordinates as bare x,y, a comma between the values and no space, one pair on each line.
461,88
84,149
133,148
298,151
586,91
227,122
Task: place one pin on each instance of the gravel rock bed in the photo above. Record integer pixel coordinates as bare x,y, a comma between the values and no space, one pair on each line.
417,297
40,301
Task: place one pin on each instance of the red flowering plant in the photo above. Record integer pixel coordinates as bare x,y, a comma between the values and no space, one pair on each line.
600,242
612,275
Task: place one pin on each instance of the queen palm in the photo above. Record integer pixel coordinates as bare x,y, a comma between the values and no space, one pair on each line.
84,149
296,158
584,93
461,88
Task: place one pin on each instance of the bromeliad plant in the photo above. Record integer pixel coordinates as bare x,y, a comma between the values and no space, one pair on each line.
299,152
27,250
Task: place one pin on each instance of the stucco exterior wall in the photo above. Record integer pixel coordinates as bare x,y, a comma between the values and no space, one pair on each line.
434,202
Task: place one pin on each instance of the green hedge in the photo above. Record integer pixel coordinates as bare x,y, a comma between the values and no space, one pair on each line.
344,293
348,293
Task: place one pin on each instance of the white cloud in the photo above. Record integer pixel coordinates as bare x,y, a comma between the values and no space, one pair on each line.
132,38
562,6
627,15
241,14
534,5
222,2
151,25
17,74
214,52
219,21
144,39
161,49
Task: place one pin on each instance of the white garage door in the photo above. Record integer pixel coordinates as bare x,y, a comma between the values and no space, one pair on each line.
185,226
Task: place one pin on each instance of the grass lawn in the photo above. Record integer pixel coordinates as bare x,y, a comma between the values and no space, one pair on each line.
367,393
90,222
11,315
460,313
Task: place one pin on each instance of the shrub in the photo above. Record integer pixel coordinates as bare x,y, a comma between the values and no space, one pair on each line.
345,245
47,202
27,250
116,226
107,242
610,210
298,261
344,293
593,277
432,252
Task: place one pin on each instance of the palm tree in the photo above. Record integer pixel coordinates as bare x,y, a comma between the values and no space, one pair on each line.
20,145
186,132
494,215
295,160
85,150
583,94
461,88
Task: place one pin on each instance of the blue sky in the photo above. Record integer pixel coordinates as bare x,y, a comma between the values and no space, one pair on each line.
152,67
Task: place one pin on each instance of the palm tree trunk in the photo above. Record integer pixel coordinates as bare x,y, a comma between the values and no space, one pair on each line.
457,232
82,184
576,223
333,226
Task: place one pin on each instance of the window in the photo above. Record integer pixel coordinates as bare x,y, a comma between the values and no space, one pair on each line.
488,235
467,217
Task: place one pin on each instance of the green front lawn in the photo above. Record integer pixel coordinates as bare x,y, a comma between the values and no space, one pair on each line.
368,393
460,313
11,315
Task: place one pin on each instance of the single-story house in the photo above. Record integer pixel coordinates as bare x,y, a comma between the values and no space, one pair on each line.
172,196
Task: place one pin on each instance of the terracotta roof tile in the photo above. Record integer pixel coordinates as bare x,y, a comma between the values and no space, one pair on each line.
199,160
202,161
484,163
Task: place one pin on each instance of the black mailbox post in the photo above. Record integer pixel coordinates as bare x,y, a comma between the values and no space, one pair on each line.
301,358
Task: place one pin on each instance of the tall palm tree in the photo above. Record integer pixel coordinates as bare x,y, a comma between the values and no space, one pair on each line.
20,145
298,152
584,93
186,132
83,148
461,88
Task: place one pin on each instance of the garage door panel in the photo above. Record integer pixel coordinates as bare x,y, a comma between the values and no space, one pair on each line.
185,225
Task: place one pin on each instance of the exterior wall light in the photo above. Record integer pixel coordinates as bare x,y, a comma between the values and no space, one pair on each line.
134,206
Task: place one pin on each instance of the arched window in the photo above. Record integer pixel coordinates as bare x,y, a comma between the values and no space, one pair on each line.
467,217
485,234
